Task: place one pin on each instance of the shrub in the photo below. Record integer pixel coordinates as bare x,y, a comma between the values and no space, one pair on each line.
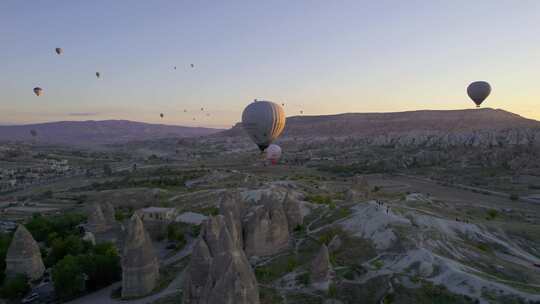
304,278
291,263
5,240
15,288
68,278
332,290
319,199
492,213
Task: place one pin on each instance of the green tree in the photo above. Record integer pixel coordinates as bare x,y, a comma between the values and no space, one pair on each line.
71,245
69,278
15,288
5,240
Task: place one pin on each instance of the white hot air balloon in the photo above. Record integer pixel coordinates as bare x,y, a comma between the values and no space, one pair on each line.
263,121
273,153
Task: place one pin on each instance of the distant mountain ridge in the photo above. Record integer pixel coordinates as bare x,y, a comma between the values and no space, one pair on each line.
90,132
371,124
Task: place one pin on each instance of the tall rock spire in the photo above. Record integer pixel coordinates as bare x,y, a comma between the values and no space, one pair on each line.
140,266
96,220
219,272
23,256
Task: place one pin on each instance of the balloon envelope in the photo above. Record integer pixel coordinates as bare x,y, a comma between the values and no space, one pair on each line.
273,153
98,74
263,121
59,51
38,91
161,115
478,91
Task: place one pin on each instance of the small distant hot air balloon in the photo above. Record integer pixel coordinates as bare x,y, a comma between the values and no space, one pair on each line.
194,118
202,109
185,111
98,75
273,153
478,91
161,115
33,133
192,65
301,111
59,51
263,121
175,68
38,91
283,104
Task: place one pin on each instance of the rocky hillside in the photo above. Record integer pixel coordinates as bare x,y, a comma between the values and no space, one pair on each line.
90,133
370,124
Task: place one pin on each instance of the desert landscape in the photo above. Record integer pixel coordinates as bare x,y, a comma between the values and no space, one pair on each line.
411,215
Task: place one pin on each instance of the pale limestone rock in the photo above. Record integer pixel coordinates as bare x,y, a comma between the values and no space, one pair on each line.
266,230
219,272
96,220
108,213
23,255
140,266
321,269
293,209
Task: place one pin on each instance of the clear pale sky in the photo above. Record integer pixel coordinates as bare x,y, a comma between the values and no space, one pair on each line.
321,57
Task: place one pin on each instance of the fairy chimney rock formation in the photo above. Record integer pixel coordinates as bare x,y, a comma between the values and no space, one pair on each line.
23,255
232,207
108,213
96,220
293,210
361,186
321,269
140,266
266,229
219,272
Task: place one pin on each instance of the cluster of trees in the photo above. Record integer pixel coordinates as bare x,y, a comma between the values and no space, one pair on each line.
47,229
78,266
97,267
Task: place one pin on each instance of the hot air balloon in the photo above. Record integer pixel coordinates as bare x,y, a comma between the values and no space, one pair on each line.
202,109
161,115
33,133
478,91
301,111
175,68
59,51
283,104
98,75
38,91
185,111
273,153
263,121
192,65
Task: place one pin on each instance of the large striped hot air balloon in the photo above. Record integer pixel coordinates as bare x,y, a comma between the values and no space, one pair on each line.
263,121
